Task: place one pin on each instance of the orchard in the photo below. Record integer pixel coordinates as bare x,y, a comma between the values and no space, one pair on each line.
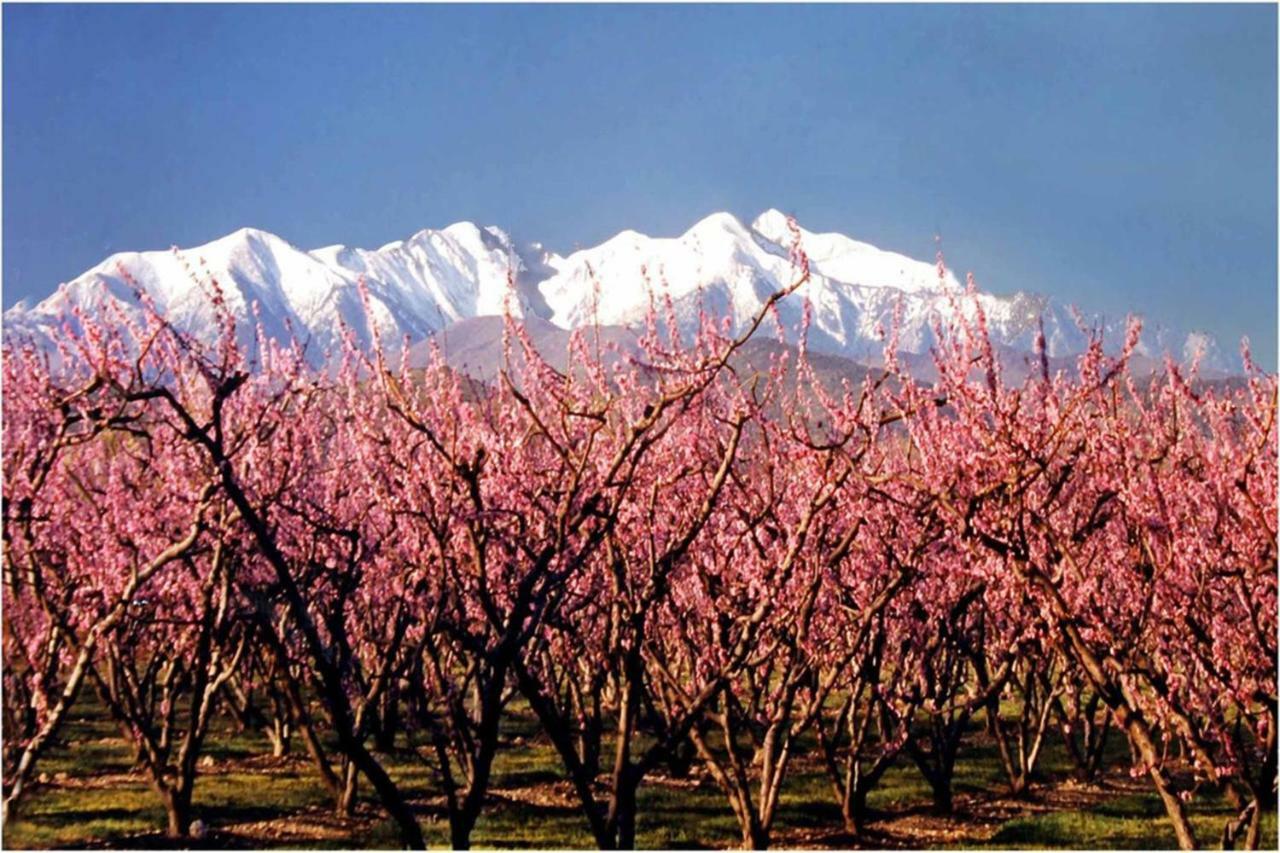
673,562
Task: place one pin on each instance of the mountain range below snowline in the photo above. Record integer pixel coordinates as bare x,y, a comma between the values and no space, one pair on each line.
452,283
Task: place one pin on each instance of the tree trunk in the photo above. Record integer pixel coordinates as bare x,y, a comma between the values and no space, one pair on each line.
1254,833
853,809
279,729
177,808
460,826
938,767
388,720
754,836
350,787
625,812
940,788
279,736
463,822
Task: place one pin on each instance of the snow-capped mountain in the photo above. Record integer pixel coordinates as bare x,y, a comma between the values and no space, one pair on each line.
416,286
437,278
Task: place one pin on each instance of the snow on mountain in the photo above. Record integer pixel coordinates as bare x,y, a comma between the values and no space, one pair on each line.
437,279
840,258
416,286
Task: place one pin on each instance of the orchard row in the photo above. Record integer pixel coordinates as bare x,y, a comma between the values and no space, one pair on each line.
669,554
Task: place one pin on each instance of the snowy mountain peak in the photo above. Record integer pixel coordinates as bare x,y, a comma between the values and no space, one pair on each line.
439,277
772,225
718,223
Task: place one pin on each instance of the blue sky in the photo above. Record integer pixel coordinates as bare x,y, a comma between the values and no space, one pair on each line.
1119,157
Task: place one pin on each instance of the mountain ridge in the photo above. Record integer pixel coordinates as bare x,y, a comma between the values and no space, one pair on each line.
437,278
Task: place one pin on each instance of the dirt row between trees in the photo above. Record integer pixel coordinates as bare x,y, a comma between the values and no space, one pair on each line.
975,821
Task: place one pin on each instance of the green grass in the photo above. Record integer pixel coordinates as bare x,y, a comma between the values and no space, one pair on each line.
121,810
1114,829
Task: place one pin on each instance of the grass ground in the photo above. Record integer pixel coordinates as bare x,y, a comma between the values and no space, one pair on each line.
92,799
